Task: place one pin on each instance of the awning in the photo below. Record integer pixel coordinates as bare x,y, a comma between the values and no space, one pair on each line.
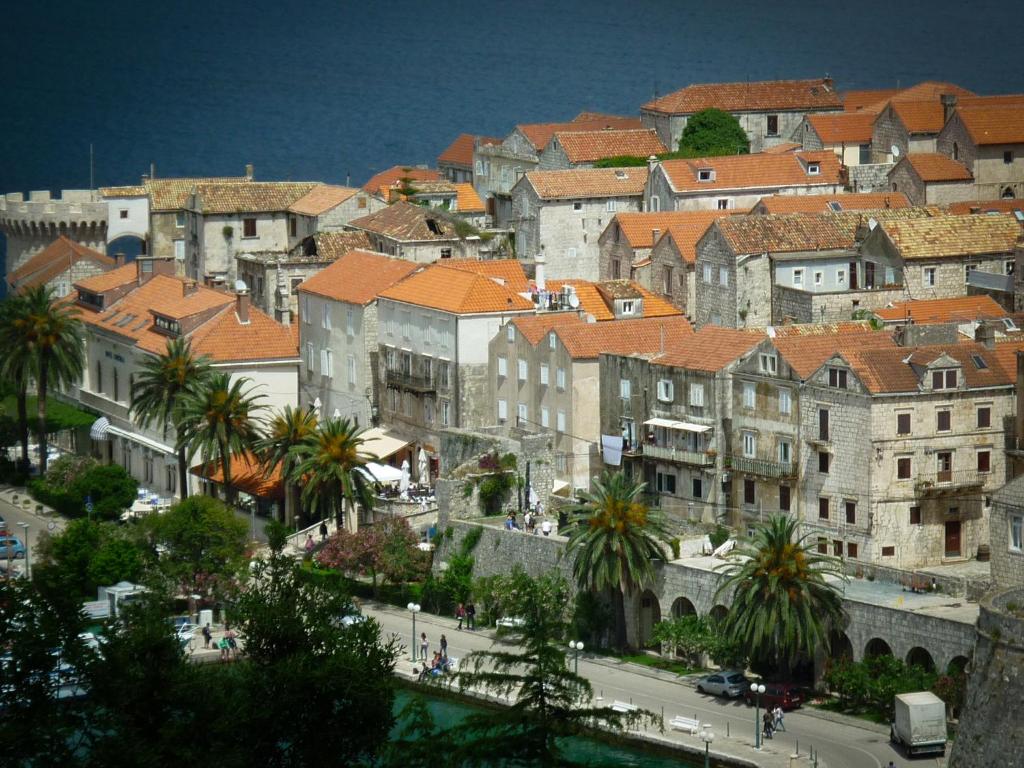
156,445
379,444
560,488
100,429
382,473
683,425
247,475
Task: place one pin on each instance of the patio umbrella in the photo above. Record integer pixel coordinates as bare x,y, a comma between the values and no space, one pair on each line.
403,484
421,469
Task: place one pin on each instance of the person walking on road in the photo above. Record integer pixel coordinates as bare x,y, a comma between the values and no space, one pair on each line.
444,648
767,723
460,614
310,544
207,636
778,724
424,645
323,530
470,616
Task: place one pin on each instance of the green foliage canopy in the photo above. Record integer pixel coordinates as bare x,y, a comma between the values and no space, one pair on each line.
712,132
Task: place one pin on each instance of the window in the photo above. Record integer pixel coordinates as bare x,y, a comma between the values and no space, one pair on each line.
123,213
502,366
798,278
293,226
616,269
851,512
697,395
552,341
697,488
723,276
577,205
1016,532
851,550
560,379
665,390
117,384
888,551
944,379
928,276
823,461
822,545
407,325
443,372
521,414
611,206
628,307
785,401
625,388
984,417
446,253
428,411
813,169
984,461
837,378
446,413
350,323
350,364
819,277
841,277
309,357
903,468
749,395
325,317
249,227
544,374
767,363
773,125
667,278
942,421
749,491
902,423
655,205
723,203
784,498
823,424
666,482
502,411
179,250
864,154
707,273
705,174
749,445
545,420
967,272
1008,156
785,452
560,421
822,508
915,515
326,363
179,219
524,370
510,333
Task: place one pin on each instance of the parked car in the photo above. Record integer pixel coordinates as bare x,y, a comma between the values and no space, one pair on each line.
351,619
785,695
11,546
730,683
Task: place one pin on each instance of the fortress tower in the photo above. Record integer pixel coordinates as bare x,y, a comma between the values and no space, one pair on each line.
31,225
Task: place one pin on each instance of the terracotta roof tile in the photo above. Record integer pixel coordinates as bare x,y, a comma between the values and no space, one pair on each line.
536,327
172,194
590,146
927,91
129,191
594,297
588,183
224,338
397,172
468,200
925,117
539,134
710,349
460,151
859,201
115,278
950,235
987,206
754,171
254,197
624,337
844,127
958,310
56,258
358,276
407,222
688,232
321,199
931,166
331,246
807,351
749,97
508,271
638,228
898,369
856,100
247,474
989,125
457,291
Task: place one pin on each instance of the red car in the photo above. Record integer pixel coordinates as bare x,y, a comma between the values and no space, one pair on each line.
785,695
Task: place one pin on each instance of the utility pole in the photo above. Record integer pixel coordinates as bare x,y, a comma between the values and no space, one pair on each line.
92,167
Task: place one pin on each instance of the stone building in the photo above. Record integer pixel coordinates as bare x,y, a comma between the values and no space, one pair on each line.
456,162
456,199
59,266
928,178
1007,534
544,376
989,140
739,181
581,149
419,234
127,220
848,134
331,207
338,333
381,182
770,112
562,214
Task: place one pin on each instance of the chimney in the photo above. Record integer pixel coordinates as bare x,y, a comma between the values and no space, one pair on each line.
119,259
975,209
539,274
948,105
985,334
242,305
655,233
250,171
827,82
652,163
188,287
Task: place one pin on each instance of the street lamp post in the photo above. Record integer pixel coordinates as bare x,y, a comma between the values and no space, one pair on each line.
757,690
414,608
576,646
28,559
707,736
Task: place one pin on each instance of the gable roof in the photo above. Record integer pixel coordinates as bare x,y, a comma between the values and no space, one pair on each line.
987,207
321,199
924,117
395,173
957,310
950,235
929,90
857,100
931,167
358,276
710,349
687,233
624,337
590,146
507,271
467,199
331,246
757,171
455,290
254,197
588,183
853,201
779,95
843,128
595,297
408,222
539,134
460,151
55,259
987,125
898,369
172,194
536,327
225,338
115,278
807,348
638,228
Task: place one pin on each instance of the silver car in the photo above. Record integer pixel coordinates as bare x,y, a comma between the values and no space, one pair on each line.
728,682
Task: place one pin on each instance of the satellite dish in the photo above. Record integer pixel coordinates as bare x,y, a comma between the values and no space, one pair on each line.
895,150
240,286
574,300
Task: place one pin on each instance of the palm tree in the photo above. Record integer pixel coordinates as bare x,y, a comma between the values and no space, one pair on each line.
16,363
327,464
159,387
614,539
56,339
782,608
276,448
216,420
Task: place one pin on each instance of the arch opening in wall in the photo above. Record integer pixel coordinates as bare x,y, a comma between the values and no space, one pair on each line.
840,647
957,665
648,614
130,245
683,607
718,614
877,647
919,657
1008,194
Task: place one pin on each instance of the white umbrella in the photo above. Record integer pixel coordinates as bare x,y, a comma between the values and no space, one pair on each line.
403,484
422,471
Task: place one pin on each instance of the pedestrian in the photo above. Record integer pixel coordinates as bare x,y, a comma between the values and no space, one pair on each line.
546,527
470,616
323,530
778,723
207,635
444,647
222,644
460,614
310,544
767,722
424,645
528,521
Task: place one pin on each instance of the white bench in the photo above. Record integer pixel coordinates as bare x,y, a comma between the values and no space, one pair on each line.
681,723
621,706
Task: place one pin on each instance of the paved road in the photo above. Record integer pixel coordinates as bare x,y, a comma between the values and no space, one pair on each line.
15,513
840,743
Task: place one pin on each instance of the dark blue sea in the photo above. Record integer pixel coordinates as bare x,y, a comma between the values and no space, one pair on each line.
332,89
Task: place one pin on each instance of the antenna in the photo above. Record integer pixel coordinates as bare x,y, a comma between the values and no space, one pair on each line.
92,167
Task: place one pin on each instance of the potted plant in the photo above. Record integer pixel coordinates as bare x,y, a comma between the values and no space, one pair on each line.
229,231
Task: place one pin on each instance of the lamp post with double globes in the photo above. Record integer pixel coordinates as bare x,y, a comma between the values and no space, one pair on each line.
707,736
28,553
576,646
414,608
757,690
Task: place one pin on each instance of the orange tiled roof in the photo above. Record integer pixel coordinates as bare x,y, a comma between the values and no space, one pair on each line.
331,246
710,349
927,91
128,191
844,127
508,271
856,100
753,171
460,151
254,197
458,291
624,337
321,199
854,201
958,310
920,116
898,369
590,146
358,276
468,200
638,228
539,134
778,95
588,182
594,297
806,350
262,338
247,474
172,194
687,233
55,259
986,206
115,278
987,125
535,327
395,173
931,166
950,235
407,222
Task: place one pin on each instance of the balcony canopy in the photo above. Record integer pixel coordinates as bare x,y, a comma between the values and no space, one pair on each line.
685,426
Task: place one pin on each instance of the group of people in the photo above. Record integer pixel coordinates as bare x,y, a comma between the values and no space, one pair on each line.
440,662
466,613
532,521
227,645
773,721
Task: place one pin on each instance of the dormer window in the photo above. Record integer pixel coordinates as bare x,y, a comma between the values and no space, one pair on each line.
628,307
768,363
813,169
705,174
167,325
837,377
946,379
90,298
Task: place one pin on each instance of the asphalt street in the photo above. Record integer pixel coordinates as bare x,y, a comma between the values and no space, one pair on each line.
13,514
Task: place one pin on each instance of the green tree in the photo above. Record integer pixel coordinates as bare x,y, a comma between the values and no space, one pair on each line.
621,161
276,449
387,549
109,486
88,554
216,421
782,608
205,543
712,132
159,386
329,463
613,540
16,363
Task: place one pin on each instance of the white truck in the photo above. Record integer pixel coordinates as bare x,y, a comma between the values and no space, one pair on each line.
920,723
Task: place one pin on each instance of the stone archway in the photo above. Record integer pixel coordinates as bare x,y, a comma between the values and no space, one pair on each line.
648,614
920,657
718,614
840,647
877,647
129,244
683,607
1008,194
957,665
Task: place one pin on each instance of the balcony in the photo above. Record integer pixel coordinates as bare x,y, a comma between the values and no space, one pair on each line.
759,467
1015,445
946,481
669,453
410,382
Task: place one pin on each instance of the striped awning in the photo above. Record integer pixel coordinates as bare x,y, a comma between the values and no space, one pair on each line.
100,429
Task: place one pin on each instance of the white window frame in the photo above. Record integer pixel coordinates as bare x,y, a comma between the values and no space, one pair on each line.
544,374
326,363
628,307
785,452
310,357
552,341
560,421
798,277
1015,538
625,389
611,206
502,410
841,277
502,366
350,323
666,390
928,276
351,364
179,249
749,443
813,169
545,417
522,414
510,333
523,369
560,379
819,277
707,273
749,395
697,395
723,277
446,407
785,400
768,363
325,316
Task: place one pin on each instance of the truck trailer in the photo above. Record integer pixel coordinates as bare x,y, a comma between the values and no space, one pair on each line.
920,723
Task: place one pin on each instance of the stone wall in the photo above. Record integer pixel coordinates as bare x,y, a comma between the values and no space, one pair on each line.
31,225
1007,563
870,178
903,179
794,305
715,302
888,131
